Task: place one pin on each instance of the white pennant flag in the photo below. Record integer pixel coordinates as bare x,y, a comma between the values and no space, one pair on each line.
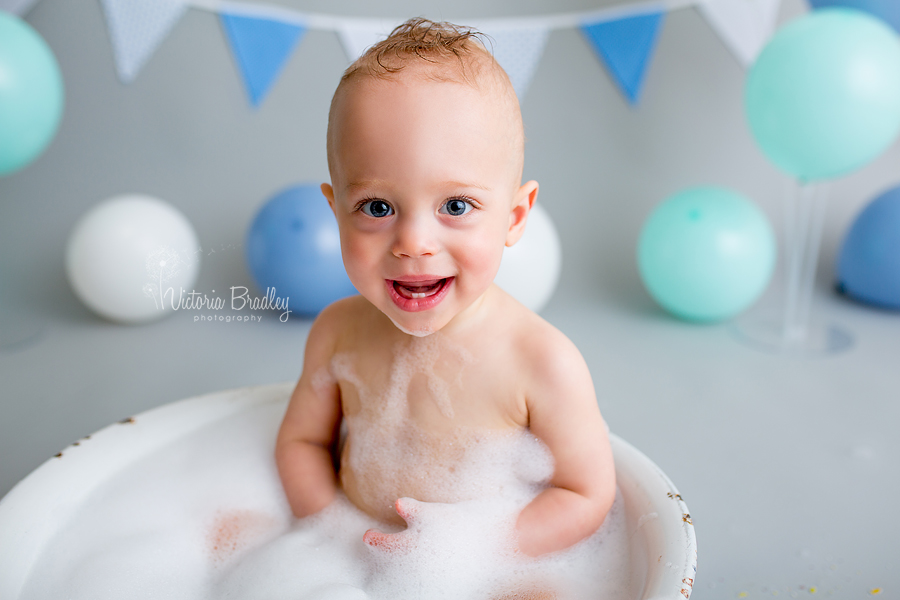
137,28
17,7
358,34
518,50
744,25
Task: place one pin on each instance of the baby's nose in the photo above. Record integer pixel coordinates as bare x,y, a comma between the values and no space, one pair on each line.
415,237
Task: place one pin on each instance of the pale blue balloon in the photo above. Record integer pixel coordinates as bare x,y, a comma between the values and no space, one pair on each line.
31,94
706,254
868,266
294,247
823,97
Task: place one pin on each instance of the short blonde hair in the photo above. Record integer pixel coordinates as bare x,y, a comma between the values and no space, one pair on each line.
422,39
422,43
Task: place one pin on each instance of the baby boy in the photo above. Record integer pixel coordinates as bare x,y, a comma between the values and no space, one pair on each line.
425,152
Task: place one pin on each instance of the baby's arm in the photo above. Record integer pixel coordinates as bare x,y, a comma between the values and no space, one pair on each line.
311,425
563,413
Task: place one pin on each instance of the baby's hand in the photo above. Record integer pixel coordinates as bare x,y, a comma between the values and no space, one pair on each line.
446,551
405,540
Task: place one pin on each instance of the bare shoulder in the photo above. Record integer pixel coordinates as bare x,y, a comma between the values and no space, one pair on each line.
547,356
334,322
340,312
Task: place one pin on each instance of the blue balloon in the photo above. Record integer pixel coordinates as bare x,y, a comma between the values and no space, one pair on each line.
887,10
706,254
294,247
869,261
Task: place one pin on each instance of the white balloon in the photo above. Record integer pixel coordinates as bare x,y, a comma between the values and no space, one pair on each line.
126,254
530,269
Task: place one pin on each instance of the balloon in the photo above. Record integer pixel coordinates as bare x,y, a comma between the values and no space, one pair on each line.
823,97
530,269
869,261
888,10
31,94
706,254
128,258
294,247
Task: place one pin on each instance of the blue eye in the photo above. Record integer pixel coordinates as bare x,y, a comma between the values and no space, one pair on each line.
377,208
456,207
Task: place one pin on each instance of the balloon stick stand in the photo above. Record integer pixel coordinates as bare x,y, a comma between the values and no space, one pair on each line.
795,330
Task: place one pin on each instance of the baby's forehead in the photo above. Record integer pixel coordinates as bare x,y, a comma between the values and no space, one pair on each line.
487,82
490,90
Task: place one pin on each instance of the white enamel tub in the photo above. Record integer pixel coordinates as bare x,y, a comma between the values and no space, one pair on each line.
664,551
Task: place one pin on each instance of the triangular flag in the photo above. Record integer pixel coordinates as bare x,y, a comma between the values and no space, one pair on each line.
261,47
17,7
137,28
518,50
743,25
357,35
626,46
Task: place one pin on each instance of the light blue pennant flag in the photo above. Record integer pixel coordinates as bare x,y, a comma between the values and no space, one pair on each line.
17,7
137,28
626,46
518,50
261,48
357,35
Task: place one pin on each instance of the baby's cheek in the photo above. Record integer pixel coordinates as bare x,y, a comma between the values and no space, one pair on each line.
483,262
359,264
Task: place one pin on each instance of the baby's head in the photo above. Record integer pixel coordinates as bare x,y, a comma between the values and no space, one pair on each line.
425,152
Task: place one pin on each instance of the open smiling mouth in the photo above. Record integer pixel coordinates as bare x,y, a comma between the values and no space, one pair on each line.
413,296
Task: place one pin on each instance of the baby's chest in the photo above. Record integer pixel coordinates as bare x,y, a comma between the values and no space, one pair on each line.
437,391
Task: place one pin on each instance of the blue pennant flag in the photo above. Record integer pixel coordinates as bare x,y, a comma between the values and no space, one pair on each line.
261,48
626,46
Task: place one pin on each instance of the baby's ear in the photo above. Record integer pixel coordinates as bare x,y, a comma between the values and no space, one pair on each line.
518,215
328,192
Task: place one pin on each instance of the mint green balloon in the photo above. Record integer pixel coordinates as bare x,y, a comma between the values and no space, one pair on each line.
706,254
823,97
31,94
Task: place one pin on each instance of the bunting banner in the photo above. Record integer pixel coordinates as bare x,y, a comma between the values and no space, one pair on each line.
261,47
357,35
262,37
17,7
626,45
137,28
517,49
743,25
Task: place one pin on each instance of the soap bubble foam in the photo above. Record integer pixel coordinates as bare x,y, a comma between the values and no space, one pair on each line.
206,518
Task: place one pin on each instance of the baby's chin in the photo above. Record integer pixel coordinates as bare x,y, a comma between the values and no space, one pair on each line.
414,332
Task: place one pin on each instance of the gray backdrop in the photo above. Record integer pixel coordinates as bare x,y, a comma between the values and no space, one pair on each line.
788,464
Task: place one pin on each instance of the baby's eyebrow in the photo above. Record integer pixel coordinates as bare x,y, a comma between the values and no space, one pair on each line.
463,184
355,185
